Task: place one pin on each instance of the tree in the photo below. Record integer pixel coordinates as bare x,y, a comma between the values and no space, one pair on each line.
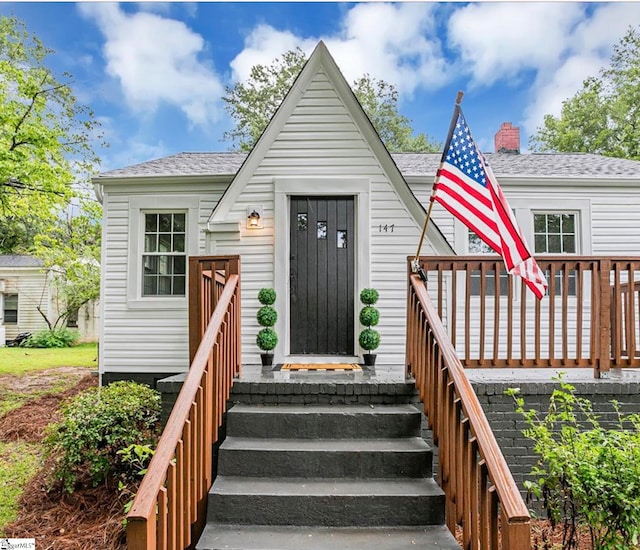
70,250
46,137
604,116
252,104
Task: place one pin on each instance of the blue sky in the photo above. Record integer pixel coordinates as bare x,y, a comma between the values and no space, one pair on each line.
154,73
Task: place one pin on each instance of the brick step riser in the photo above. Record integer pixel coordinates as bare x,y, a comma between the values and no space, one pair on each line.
323,393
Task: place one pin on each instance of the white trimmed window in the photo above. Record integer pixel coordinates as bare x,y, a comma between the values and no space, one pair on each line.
10,309
555,232
163,233
164,259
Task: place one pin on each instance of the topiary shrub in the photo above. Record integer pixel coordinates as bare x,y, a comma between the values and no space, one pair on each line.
267,339
55,338
369,296
267,316
95,426
267,296
369,338
369,316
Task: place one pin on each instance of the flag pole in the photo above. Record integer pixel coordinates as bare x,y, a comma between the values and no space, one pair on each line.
415,265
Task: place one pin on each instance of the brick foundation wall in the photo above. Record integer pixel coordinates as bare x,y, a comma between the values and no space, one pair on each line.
507,425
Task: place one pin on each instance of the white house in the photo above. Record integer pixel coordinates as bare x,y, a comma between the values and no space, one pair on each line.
337,213
25,292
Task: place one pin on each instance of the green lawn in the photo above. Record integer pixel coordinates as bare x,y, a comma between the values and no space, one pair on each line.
18,463
20,360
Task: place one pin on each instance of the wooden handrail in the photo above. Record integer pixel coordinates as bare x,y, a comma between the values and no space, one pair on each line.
169,509
481,495
589,317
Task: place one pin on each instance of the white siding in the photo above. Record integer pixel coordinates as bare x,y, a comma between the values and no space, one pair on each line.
608,225
321,139
33,290
135,337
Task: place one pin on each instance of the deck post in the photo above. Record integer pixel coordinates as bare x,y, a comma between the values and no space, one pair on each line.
603,365
195,297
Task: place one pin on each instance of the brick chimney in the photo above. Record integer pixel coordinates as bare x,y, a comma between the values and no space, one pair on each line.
507,139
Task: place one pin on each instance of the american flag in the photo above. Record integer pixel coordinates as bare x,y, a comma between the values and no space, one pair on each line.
466,187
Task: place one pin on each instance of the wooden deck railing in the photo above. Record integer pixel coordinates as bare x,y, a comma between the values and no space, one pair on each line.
168,512
587,319
481,494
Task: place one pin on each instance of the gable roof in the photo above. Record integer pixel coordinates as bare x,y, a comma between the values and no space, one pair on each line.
321,60
530,165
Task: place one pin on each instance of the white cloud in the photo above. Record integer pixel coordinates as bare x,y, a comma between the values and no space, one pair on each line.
397,43
157,61
394,42
589,48
551,90
497,41
559,43
263,45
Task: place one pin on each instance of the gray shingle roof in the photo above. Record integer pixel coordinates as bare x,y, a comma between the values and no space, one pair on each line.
16,260
410,164
183,164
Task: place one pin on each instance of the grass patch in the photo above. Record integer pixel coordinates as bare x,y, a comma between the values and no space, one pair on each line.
17,361
18,464
11,401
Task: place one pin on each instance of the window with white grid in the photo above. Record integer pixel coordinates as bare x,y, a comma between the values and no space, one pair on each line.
164,260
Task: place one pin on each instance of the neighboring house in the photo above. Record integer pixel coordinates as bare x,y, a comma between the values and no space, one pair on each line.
337,213
24,287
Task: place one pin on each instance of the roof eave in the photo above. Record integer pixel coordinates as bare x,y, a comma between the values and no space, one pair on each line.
166,179
569,181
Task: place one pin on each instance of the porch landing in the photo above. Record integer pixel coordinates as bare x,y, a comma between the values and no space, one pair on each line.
394,374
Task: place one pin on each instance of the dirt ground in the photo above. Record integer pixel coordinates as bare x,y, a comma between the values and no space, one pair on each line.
91,518
88,519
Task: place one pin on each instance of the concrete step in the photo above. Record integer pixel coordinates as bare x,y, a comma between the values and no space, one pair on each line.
326,502
255,537
324,422
407,457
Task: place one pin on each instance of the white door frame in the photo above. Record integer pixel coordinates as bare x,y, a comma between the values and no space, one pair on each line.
284,187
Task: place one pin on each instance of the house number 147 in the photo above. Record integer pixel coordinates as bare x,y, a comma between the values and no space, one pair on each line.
386,228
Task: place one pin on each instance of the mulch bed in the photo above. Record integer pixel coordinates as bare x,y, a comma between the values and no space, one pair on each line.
28,422
90,518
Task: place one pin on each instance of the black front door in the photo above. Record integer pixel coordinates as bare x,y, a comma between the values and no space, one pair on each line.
322,275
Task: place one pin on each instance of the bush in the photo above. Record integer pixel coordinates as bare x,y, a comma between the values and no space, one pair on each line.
267,296
56,338
267,339
369,296
587,476
267,316
95,426
369,316
369,339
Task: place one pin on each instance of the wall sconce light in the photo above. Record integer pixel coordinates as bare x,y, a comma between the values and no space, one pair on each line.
255,217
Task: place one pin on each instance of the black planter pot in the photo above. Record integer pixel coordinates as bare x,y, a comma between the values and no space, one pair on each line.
369,359
267,359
